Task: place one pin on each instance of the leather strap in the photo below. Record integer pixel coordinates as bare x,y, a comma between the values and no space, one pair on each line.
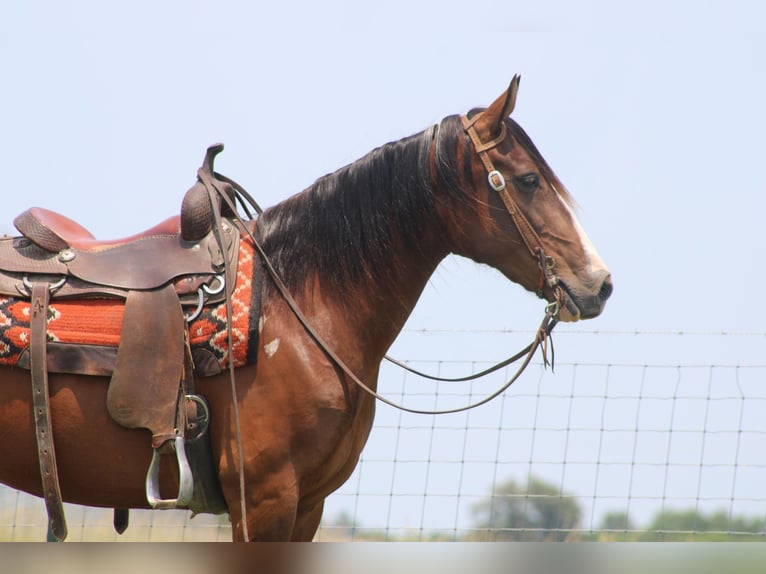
41,405
479,146
528,234
216,191
121,519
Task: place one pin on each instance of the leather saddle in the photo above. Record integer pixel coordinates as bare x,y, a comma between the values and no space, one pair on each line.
164,275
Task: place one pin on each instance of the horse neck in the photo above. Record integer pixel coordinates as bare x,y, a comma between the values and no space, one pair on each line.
359,245
366,314
381,308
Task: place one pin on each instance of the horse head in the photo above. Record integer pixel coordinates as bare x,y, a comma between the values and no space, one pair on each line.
526,226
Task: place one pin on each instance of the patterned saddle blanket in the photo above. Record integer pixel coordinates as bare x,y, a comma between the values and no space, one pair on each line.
95,324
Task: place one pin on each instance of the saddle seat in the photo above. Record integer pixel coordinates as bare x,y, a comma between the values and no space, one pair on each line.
56,232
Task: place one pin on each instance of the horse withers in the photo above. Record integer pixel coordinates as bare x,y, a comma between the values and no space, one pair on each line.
347,259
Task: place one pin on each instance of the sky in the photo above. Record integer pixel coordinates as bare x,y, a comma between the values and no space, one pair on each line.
650,112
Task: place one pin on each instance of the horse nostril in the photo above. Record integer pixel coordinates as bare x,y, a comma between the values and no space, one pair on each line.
606,289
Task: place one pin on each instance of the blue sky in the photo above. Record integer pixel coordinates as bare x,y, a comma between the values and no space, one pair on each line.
651,112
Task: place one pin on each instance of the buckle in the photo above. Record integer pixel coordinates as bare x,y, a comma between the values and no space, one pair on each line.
496,180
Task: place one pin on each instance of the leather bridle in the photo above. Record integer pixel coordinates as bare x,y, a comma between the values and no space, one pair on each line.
528,234
534,245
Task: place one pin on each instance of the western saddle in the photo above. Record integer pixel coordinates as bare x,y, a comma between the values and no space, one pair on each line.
165,275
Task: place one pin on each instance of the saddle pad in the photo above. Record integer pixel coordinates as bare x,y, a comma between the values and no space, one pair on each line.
99,321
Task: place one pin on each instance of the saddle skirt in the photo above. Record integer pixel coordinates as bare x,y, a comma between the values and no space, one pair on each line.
92,327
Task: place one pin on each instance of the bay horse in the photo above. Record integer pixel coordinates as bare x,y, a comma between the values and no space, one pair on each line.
355,250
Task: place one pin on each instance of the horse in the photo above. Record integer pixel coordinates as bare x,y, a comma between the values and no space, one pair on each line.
354,251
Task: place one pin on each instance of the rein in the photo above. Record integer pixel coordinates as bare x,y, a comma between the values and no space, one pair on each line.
529,236
534,245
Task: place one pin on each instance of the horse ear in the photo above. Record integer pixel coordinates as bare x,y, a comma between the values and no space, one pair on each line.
492,118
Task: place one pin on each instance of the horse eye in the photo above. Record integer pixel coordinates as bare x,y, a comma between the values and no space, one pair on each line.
528,183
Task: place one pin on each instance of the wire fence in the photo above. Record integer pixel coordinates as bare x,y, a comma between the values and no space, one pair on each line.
627,449
622,440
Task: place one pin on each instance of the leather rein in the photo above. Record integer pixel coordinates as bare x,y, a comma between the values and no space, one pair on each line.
529,236
534,245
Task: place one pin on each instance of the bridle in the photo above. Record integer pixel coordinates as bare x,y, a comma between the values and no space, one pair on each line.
528,234
534,245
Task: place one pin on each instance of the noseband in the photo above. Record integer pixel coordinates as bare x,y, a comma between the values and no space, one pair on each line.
528,234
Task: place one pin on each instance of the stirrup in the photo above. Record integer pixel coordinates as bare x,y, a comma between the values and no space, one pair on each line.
185,479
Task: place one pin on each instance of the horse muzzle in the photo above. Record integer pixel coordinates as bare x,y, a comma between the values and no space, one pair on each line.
585,303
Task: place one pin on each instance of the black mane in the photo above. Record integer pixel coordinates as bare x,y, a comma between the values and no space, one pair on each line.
342,227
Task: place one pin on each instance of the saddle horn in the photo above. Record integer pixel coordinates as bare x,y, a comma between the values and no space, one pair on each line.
197,217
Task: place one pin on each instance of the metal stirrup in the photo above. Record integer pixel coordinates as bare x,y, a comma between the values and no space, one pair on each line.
185,479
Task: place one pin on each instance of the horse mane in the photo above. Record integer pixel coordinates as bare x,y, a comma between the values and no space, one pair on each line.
342,228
